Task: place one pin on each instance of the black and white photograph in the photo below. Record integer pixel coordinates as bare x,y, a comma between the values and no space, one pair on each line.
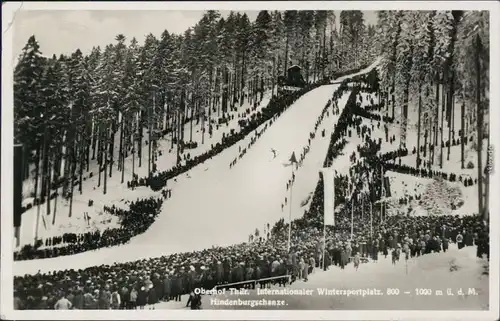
250,161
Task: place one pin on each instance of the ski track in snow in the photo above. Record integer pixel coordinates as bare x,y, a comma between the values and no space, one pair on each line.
222,206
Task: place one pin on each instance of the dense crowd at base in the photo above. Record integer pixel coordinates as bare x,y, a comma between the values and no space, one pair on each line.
143,283
147,282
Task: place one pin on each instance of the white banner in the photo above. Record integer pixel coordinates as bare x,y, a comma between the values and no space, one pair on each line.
329,195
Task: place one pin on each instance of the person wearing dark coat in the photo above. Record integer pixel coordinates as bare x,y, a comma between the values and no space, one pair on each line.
343,258
167,288
328,261
469,238
219,273
194,301
445,244
78,300
158,286
142,298
177,288
124,296
152,296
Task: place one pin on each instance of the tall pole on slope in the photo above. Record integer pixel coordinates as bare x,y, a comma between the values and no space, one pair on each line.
382,193
371,219
290,214
293,162
352,219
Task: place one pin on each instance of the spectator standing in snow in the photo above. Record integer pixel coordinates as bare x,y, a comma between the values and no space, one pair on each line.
63,303
460,241
356,260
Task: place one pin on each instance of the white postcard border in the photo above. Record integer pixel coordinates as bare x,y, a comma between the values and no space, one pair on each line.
6,294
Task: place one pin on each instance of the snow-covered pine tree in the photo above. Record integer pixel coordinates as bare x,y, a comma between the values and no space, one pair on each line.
119,56
103,95
443,25
473,53
419,73
28,129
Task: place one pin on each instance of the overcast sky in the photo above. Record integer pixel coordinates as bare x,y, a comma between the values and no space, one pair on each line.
64,31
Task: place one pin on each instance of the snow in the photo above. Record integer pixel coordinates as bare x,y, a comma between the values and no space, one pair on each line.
196,215
430,271
362,71
403,185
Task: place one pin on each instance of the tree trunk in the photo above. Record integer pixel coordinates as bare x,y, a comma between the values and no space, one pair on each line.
45,164
80,167
49,172
393,95
419,121
450,108
56,179
462,134
95,133
203,123
37,170
178,137
122,148
150,144
443,112
242,83
120,145
106,140
100,153
141,135
273,80
134,141
286,56
436,122
72,185
479,127
193,108
404,120
112,147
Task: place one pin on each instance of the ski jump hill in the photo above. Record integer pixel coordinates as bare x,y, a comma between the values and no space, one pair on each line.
185,225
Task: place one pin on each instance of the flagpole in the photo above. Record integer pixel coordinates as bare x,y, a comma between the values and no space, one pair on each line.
382,193
290,214
324,246
362,207
352,219
371,219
